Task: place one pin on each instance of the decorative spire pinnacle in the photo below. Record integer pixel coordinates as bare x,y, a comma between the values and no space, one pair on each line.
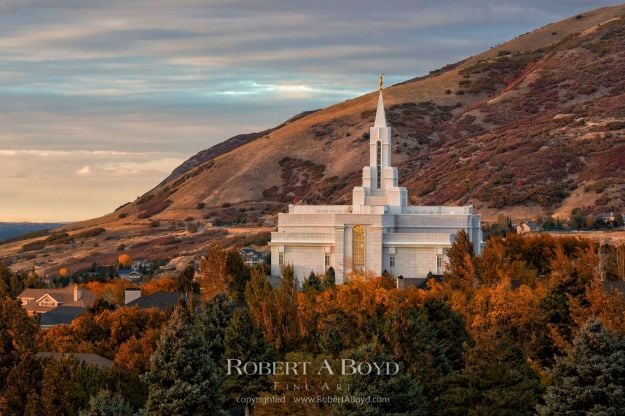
381,81
380,116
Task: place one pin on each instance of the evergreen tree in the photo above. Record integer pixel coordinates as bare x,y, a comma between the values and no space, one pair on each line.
590,379
23,383
496,381
105,403
182,378
312,283
17,349
67,385
237,275
11,284
243,341
429,340
403,394
329,280
212,321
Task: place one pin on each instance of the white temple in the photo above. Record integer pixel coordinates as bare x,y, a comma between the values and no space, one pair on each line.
378,232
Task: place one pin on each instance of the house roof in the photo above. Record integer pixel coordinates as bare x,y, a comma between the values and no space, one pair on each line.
161,300
85,357
418,282
63,315
64,296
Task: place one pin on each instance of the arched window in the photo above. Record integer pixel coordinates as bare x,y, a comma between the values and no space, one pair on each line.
378,154
358,247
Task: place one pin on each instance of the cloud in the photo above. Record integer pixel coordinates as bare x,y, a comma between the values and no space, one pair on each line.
85,170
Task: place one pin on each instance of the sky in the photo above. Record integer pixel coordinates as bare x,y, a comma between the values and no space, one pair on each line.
101,100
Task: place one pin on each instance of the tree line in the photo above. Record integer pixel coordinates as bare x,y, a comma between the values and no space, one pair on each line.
525,328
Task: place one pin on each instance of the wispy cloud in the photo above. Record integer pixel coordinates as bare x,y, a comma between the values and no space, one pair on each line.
85,170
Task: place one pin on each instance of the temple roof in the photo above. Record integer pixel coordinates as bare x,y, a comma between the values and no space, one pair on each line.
380,116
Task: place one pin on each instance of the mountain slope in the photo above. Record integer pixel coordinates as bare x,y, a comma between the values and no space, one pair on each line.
533,126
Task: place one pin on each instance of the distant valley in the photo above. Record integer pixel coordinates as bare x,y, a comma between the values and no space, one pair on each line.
12,230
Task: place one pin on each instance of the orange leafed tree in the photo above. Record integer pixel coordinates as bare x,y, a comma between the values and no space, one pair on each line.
124,260
63,272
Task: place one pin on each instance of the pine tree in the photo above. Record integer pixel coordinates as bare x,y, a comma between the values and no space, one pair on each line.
329,280
590,379
19,370
237,275
403,394
495,381
243,341
429,340
182,378
105,403
68,384
312,283
212,320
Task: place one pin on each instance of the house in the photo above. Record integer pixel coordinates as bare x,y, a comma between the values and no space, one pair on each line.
527,227
46,300
419,282
251,257
63,315
164,301
130,275
607,217
141,265
378,231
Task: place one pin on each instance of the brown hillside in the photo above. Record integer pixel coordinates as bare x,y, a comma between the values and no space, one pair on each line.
535,125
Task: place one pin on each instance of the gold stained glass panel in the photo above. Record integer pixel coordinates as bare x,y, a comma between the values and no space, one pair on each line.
358,247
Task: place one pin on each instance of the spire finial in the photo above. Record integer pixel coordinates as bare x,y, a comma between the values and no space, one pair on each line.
381,81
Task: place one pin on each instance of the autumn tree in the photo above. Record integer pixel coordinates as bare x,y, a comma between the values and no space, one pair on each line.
124,260
182,377
275,310
461,270
187,286
213,271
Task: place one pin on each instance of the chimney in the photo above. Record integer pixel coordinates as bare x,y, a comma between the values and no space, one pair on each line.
131,294
77,293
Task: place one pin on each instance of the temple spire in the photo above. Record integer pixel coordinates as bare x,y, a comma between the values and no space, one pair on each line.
380,116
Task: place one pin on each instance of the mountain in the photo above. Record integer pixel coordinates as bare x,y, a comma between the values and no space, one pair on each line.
534,126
